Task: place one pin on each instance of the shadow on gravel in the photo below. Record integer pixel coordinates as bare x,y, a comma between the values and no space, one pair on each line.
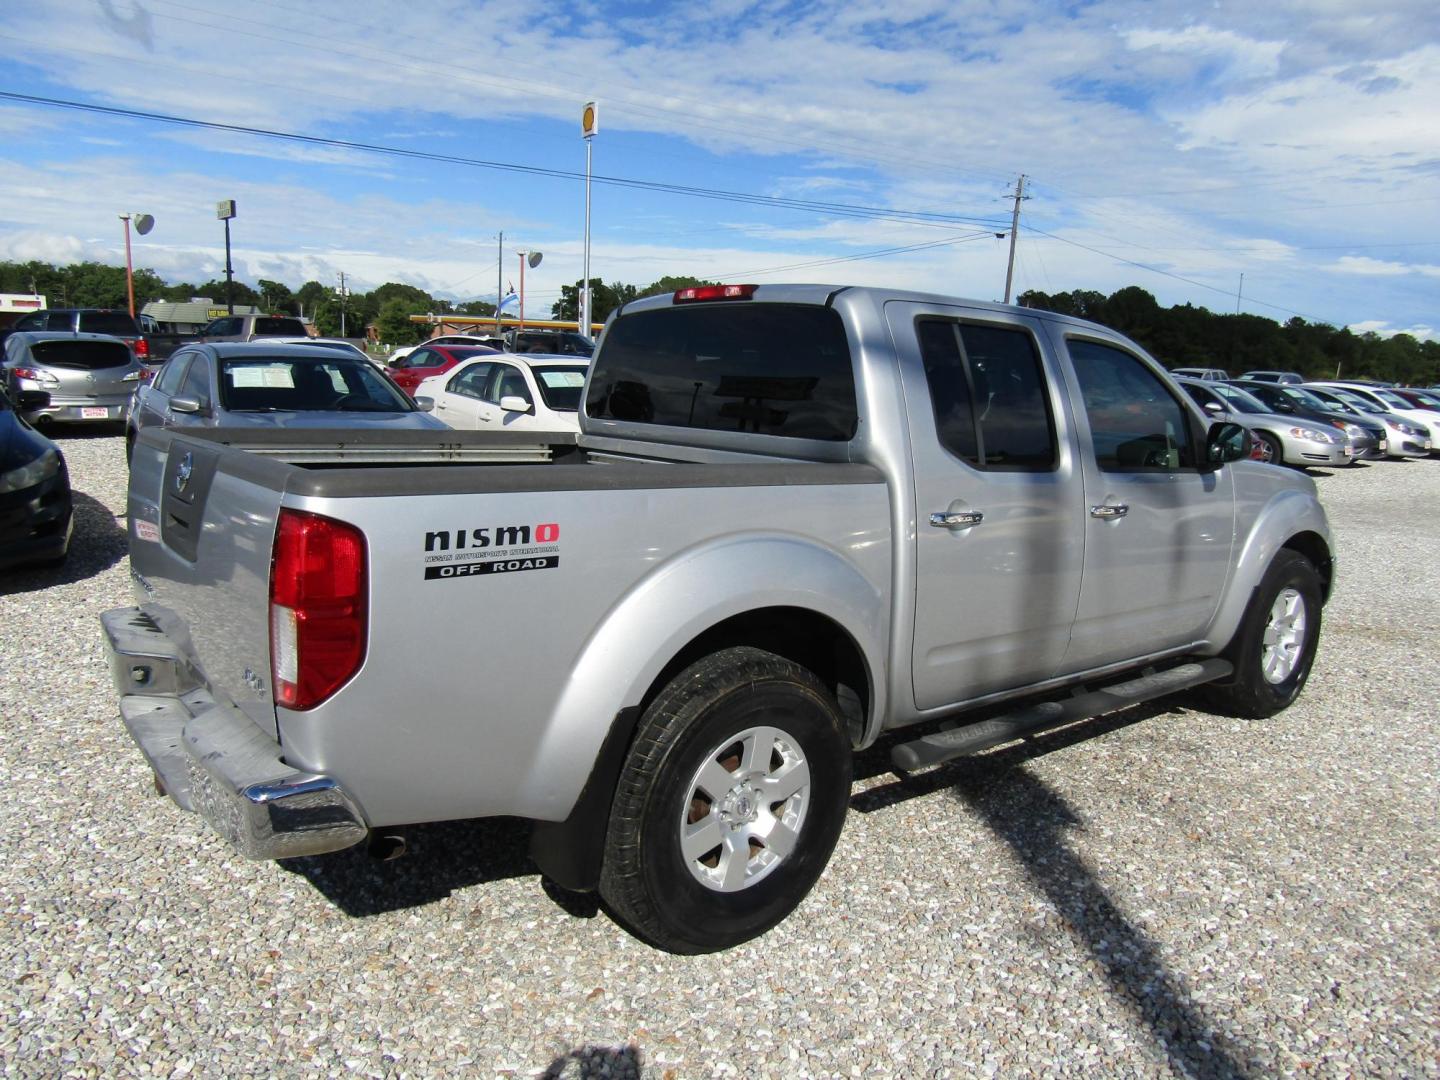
97,544
439,859
619,1062
1034,821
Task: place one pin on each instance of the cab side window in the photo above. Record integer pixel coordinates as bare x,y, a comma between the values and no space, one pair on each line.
508,381
471,381
987,390
169,379
1135,424
197,382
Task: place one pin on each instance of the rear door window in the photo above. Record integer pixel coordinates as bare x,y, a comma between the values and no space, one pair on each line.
988,394
770,369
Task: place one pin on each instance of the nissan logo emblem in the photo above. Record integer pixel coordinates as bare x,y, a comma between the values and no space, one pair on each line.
183,471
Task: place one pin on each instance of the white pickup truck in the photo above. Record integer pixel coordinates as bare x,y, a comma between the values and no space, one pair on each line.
795,519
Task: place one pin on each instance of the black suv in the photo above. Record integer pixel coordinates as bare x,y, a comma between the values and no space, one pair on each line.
562,342
116,322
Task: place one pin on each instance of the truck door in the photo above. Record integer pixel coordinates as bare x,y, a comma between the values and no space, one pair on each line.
997,502
1159,532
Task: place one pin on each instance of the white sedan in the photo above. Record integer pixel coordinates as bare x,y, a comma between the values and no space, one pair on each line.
509,393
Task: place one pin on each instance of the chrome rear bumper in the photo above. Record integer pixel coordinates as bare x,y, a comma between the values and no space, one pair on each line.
211,758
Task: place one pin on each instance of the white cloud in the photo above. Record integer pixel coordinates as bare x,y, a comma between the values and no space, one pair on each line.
1385,330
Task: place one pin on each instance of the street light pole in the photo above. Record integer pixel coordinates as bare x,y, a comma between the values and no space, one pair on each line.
589,125
225,210
129,272
143,224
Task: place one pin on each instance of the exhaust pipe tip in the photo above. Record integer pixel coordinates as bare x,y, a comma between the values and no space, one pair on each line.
386,847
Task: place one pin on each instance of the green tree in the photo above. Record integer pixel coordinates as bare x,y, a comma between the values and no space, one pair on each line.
276,296
669,284
603,299
393,323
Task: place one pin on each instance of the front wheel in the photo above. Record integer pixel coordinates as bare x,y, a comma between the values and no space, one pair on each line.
1268,448
729,804
1274,647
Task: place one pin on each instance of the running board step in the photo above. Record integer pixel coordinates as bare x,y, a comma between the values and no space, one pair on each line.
972,738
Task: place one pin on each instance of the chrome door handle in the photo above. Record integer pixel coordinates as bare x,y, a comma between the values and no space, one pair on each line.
962,520
1109,512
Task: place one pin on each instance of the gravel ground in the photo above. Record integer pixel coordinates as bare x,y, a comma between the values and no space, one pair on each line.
1163,892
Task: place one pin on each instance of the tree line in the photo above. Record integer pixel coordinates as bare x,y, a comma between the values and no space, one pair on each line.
1189,336
1179,336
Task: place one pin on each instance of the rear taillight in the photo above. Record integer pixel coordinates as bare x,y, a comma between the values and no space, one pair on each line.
318,613
697,293
142,348
36,375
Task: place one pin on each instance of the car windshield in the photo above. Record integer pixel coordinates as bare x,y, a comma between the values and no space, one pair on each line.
1355,401
290,384
78,354
1394,400
274,325
1304,397
1240,400
561,386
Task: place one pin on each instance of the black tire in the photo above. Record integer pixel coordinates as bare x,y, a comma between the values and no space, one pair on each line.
130,436
1272,451
707,719
1290,588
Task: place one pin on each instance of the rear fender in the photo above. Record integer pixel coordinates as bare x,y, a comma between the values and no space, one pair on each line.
669,608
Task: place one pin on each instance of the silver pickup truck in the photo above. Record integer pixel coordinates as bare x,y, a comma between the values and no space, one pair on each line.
796,519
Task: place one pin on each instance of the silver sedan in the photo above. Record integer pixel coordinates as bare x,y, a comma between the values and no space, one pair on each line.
1284,440
259,384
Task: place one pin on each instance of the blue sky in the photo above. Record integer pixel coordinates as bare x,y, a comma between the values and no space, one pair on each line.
1176,146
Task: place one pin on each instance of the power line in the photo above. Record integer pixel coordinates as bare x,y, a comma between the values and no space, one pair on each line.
927,218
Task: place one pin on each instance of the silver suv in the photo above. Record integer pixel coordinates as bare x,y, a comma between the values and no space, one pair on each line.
250,327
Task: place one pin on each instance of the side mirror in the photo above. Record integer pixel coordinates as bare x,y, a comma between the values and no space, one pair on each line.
185,404
1212,407
425,404
1225,443
514,403
33,400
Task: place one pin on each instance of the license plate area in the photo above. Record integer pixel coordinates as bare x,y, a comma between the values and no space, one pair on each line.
94,412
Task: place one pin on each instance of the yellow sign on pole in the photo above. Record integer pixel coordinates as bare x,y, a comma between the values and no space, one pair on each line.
589,120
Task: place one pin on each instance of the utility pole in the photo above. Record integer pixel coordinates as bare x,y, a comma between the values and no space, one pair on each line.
499,278
1014,231
343,294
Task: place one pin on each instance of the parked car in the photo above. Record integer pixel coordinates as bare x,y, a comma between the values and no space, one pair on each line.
1208,374
1291,377
1383,398
1367,436
250,327
533,393
557,342
36,515
427,360
339,345
1428,400
111,321
259,384
87,376
1403,439
489,341
1282,440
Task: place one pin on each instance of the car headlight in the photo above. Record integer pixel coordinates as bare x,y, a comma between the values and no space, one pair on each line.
1313,434
1406,428
31,473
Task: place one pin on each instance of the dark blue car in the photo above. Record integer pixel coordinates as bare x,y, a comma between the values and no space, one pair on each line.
36,517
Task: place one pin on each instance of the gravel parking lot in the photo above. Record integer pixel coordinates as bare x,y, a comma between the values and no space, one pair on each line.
1163,892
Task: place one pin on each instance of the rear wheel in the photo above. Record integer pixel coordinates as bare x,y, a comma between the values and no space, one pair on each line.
1274,647
730,803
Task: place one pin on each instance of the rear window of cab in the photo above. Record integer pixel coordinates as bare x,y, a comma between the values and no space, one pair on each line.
768,369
